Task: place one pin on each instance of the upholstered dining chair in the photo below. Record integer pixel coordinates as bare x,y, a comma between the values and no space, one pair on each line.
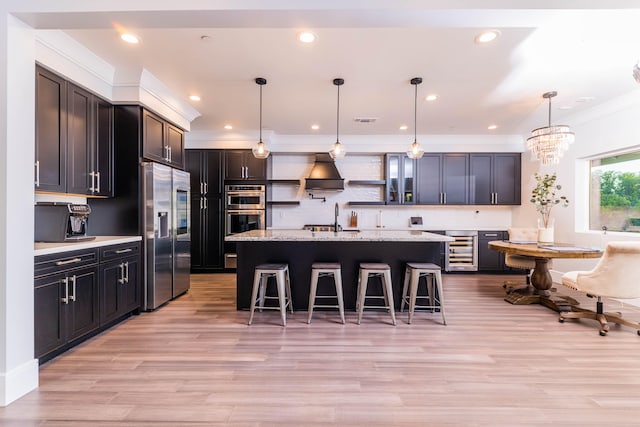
521,262
614,276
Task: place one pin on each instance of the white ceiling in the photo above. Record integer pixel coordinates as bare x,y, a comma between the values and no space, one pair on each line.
574,47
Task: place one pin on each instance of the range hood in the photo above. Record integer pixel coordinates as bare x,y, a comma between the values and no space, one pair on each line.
324,175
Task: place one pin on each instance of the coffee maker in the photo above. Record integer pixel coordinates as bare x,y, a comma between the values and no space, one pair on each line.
61,222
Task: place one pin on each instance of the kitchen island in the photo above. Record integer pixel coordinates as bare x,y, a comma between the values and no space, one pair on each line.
301,248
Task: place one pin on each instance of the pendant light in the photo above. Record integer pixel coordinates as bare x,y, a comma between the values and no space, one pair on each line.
549,143
415,151
260,151
338,150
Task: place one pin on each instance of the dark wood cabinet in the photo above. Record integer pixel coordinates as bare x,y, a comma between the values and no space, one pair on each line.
488,259
400,173
495,178
207,211
51,132
65,300
162,141
241,165
442,179
74,138
79,293
120,281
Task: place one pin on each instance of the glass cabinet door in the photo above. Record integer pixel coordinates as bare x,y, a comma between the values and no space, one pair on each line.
400,173
393,179
408,174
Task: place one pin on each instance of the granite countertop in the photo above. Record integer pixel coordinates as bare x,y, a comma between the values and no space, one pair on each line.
53,248
341,236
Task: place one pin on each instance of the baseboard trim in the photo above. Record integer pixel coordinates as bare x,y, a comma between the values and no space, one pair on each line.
18,382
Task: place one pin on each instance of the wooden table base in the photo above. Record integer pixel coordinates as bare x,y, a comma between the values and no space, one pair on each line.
530,295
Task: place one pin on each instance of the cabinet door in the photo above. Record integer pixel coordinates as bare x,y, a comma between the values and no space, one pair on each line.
51,132
507,178
153,137
213,171
429,176
49,319
394,181
214,233
102,156
256,169
408,180
175,143
488,259
455,182
198,239
130,290
83,308
234,167
79,137
193,164
481,179
111,277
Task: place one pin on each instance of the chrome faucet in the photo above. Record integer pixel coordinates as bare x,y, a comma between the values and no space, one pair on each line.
336,226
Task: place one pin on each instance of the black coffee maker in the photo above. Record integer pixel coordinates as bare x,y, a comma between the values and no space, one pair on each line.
61,222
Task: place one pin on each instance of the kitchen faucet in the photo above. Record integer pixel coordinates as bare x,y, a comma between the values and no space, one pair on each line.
336,226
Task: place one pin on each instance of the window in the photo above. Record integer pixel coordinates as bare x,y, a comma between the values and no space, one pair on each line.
614,196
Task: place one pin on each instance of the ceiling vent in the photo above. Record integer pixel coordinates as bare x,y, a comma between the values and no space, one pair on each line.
365,119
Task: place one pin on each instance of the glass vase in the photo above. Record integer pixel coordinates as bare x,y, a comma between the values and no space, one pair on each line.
545,234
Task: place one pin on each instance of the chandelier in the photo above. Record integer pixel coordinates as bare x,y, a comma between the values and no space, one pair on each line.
548,144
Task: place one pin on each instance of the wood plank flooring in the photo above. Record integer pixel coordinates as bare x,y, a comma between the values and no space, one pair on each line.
195,362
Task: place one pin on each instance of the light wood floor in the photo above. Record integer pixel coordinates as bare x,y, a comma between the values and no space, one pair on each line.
195,362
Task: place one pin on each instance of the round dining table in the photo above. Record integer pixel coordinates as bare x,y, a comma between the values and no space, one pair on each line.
541,281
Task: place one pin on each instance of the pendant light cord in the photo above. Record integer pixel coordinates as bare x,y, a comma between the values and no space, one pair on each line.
338,118
260,113
415,116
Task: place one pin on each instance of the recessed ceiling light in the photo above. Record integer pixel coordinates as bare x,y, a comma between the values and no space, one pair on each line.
315,127
487,36
228,127
130,38
492,127
403,127
431,97
306,37
194,98
586,99
205,37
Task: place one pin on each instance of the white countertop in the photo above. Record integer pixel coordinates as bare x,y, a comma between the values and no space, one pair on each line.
53,248
342,236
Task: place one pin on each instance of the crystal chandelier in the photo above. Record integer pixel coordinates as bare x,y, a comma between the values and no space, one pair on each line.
548,144
260,150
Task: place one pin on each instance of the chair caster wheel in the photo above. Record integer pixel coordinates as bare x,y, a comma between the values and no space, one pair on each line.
603,332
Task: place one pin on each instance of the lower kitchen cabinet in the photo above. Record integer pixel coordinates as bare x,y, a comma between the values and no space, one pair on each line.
79,293
488,259
119,281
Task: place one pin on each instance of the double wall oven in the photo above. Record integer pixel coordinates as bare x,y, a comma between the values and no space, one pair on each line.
244,211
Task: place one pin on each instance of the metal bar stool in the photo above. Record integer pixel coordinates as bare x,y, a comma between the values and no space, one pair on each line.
320,269
262,273
412,275
383,271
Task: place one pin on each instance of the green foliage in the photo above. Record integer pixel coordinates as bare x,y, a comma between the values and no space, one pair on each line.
619,188
544,195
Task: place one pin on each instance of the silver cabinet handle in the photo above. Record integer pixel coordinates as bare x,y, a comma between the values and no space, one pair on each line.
93,179
444,198
121,278
206,188
206,203
65,299
490,235
73,297
124,251
37,173
201,187
97,186
69,261
126,270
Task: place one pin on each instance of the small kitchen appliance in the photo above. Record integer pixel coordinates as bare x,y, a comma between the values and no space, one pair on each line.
61,222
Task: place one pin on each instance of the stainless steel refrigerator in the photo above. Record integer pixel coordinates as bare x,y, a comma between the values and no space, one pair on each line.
167,233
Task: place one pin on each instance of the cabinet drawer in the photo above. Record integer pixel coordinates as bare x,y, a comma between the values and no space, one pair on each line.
55,263
491,235
118,251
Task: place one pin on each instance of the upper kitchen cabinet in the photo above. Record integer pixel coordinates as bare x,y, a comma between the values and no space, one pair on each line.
51,132
74,138
89,143
401,174
442,179
241,165
162,141
495,178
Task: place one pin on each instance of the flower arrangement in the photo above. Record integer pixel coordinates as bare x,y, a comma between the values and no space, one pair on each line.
544,196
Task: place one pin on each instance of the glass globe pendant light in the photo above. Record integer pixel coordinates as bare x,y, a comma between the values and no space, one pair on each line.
415,151
260,150
338,150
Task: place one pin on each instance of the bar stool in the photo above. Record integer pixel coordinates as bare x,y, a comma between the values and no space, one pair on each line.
383,271
262,273
324,269
412,275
